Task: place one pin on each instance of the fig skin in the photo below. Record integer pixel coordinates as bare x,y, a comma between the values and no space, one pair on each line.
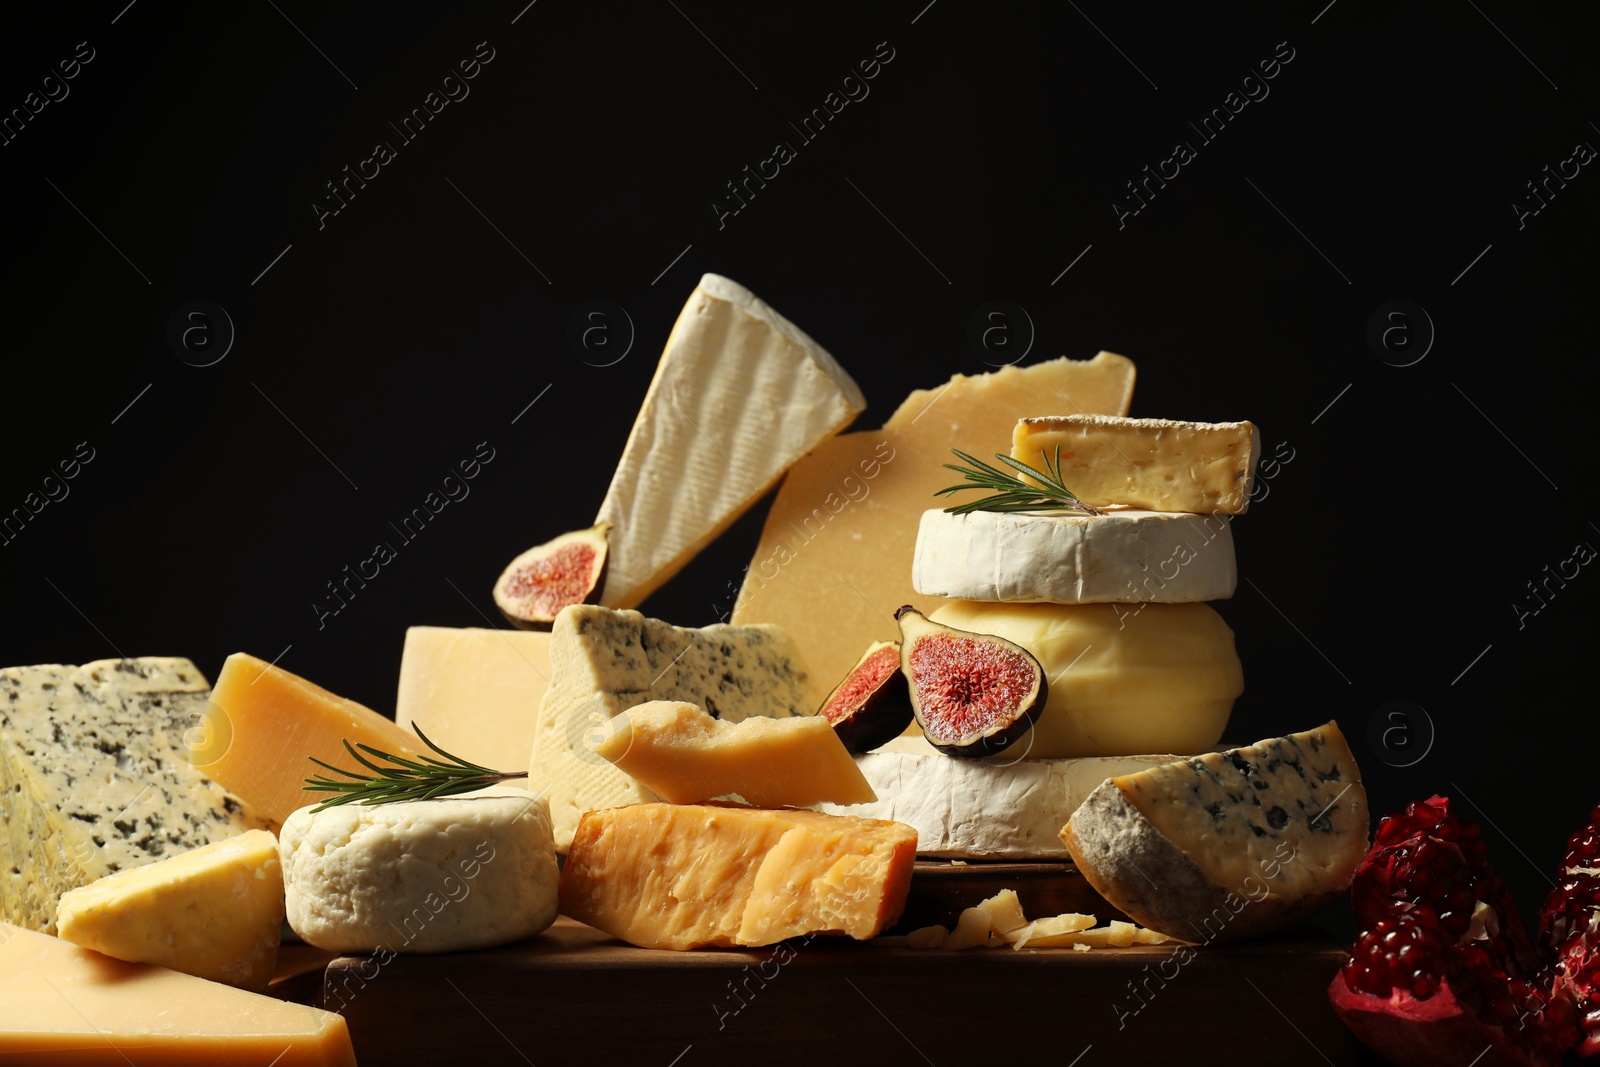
915,627
879,715
521,615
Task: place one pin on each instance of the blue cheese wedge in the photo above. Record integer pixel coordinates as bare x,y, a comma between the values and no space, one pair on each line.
603,662
1230,844
94,778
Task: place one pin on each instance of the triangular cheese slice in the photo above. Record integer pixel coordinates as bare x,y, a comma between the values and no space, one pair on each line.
739,395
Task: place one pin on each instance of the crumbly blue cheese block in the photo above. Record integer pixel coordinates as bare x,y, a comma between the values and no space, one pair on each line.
94,778
982,809
603,662
1230,844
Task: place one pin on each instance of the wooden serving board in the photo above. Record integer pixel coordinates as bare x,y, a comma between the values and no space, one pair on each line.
575,995
940,889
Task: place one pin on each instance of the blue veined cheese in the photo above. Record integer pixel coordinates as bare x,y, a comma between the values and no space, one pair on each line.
603,662
94,778
740,394
1229,844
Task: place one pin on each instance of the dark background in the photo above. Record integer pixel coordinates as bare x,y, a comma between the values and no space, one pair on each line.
382,346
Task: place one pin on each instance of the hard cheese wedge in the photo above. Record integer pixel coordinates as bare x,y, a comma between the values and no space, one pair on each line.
844,525
1229,844
63,1004
1075,557
475,692
1123,677
1159,464
214,912
740,394
684,755
263,724
603,662
994,809
94,780
685,876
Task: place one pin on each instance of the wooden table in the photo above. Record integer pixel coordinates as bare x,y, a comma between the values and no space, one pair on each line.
576,996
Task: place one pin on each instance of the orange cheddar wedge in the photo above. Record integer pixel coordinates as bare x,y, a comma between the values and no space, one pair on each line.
683,876
687,756
262,724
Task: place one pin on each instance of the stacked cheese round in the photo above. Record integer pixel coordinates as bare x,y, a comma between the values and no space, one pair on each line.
1112,606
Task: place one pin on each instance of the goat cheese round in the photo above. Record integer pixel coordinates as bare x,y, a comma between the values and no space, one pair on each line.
1075,558
462,872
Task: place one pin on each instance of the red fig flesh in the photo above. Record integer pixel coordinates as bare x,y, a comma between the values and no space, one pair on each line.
973,694
571,569
872,705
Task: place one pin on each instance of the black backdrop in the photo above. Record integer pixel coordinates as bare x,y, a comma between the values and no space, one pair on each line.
375,347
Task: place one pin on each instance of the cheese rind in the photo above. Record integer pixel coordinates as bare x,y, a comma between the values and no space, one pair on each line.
686,756
739,395
94,779
444,875
683,876
843,529
994,809
475,692
214,912
1159,464
263,725
1075,558
1123,677
603,662
1229,844
63,1004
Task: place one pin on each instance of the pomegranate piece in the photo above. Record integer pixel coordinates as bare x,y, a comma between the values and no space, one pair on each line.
1443,970
1569,933
571,569
872,705
972,694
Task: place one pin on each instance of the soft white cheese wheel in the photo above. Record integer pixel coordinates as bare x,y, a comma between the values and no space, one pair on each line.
1075,558
1124,678
982,809
462,872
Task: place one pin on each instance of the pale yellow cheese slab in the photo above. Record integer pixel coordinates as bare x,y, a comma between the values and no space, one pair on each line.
63,1004
836,551
475,692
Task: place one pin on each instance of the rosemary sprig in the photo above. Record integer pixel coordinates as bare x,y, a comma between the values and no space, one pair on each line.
1012,493
406,780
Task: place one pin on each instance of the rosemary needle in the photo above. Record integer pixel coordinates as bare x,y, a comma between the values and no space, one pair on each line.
421,779
1012,493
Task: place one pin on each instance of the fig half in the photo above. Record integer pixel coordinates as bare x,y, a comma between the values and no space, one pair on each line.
571,569
872,705
972,694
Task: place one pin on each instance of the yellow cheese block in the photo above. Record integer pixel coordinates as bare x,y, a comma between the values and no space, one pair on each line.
684,876
262,725
1124,678
1157,464
214,912
836,551
63,1004
686,756
475,692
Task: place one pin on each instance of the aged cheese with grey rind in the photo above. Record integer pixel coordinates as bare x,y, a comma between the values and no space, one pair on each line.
94,778
993,809
739,395
1230,844
1074,557
603,662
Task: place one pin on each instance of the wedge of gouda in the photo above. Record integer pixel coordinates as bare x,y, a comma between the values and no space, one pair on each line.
684,876
262,725
836,551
